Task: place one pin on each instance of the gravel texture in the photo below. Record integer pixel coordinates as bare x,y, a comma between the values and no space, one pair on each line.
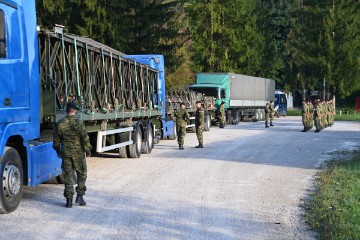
247,183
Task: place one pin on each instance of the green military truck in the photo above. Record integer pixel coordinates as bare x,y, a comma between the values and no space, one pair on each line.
244,96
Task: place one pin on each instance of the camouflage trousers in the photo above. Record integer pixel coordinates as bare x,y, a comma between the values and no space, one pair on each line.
199,134
180,130
267,117
222,120
69,167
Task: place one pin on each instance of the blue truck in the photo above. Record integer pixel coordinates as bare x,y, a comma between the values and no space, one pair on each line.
280,104
122,98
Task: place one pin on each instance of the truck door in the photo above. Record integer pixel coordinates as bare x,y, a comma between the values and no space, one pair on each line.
14,77
6,72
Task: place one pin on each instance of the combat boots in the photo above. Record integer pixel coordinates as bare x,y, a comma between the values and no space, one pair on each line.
181,147
199,146
80,200
69,202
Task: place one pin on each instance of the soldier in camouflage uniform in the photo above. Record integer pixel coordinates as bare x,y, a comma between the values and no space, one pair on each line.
71,142
317,116
222,115
304,114
199,124
181,116
269,113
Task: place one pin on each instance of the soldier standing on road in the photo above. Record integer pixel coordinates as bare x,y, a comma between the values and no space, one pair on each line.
269,113
304,114
181,116
71,142
199,123
317,114
222,115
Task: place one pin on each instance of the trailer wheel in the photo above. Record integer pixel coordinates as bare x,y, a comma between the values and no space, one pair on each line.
207,124
135,148
148,144
12,180
122,152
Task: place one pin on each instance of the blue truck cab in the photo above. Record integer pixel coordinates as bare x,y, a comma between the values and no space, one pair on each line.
156,61
24,159
280,104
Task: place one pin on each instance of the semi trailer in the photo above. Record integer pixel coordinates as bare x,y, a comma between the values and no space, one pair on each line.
122,98
244,96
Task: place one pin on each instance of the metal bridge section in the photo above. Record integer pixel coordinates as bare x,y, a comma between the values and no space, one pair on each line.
98,78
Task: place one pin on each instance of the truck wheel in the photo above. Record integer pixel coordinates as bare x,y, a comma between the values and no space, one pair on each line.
148,144
135,148
207,124
12,180
262,114
237,118
119,137
122,152
257,115
174,135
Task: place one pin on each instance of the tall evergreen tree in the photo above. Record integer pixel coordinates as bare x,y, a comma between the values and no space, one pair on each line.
225,37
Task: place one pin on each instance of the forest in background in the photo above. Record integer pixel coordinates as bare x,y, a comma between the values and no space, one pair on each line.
299,43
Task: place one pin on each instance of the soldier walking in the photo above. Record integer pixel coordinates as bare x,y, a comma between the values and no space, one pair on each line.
71,142
199,123
181,116
269,113
221,115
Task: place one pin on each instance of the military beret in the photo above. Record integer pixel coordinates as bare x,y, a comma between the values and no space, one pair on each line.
72,105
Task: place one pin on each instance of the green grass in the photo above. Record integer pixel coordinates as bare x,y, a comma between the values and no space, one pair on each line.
347,117
294,112
334,210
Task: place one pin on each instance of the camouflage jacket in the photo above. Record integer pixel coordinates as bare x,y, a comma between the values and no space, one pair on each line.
199,117
181,116
71,138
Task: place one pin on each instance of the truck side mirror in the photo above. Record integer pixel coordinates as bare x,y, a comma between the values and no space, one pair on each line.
2,50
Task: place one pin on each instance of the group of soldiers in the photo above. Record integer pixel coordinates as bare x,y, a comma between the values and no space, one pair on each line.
320,113
181,117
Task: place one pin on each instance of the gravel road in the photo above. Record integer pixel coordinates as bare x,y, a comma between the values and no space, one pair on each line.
247,183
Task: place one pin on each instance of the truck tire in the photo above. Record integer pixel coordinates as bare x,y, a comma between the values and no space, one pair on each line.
148,144
119,137
262,114
135,148
11,184
257,115
123,152
207,123
174,135
237,118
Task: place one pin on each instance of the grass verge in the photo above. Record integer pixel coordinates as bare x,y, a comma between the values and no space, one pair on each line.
334,209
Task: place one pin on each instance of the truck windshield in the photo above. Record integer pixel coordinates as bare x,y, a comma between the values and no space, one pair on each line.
210,92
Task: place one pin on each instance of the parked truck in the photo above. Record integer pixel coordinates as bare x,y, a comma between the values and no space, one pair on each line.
244,96
122,98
